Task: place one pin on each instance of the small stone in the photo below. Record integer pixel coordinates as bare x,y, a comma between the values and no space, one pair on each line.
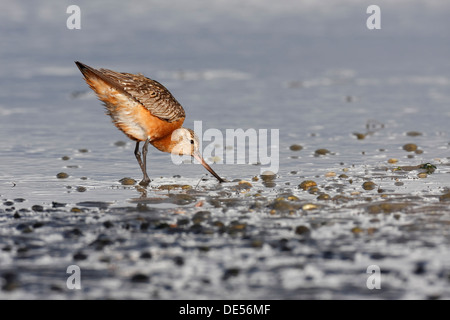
305,185
65,158
296,147
37,208
81,189
357,230
127,181
368,185
343,176
79,256
422,175
323,196
410,147
268,174
232,272
321,152
330,174
108,224
62,175
392,160
139,278
445,197
302,230
83,150
146,255
201,216
120,143
178,260
244,184
309,206
413,133
360,136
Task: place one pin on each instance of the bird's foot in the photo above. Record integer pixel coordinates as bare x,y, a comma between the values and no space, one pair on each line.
145,182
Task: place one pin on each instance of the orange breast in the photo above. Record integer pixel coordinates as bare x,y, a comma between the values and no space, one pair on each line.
130,116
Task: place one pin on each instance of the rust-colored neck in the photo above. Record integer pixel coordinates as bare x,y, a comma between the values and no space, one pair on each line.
164,144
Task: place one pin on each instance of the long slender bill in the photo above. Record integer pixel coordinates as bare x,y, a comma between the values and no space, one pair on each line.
207,167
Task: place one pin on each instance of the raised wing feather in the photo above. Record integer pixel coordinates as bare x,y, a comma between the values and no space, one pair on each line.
150,93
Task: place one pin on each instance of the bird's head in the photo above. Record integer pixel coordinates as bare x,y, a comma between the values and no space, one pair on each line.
185,142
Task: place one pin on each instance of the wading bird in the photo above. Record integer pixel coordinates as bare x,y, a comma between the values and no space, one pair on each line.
144,110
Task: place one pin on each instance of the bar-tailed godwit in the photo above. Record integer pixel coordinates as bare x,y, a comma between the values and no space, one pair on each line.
144,110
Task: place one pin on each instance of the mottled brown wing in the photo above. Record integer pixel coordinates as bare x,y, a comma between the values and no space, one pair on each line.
150,93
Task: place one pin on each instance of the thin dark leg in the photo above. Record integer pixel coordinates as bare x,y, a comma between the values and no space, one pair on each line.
146,180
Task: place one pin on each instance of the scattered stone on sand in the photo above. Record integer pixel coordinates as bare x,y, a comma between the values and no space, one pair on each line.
305,185
309,206
62,175
244,185
296,147
357,230
392,160
120,143
302,230
321,152
410,147
413,133
330,174
360,136
369,185
127,181
386,207
65,158
445,197
324,196
422,175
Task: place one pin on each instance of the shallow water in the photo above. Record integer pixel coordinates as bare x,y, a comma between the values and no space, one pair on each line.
313,72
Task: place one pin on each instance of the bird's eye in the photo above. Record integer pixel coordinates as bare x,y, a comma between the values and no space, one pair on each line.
192,141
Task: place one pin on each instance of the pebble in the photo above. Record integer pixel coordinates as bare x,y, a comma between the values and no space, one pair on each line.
392,160
360,136
445,197
321,152
410,147
244,185
368,185
231,272
323,196
37,208
309,206
305,185
357,230
302,230
422,175
120,143
81,189
62,175
330,174
201,216
386,207
139,278
296,147
127,181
